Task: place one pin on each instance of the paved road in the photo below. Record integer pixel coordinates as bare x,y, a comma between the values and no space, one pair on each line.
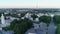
6,32
40,30
51,27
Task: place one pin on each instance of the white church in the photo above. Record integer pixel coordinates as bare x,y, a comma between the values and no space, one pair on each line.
2,19
3,22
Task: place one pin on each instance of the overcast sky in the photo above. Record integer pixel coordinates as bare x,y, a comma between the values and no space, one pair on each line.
29,3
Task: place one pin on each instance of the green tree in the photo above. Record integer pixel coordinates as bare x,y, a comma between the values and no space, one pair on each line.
34,16
20,26
58,29
57,19
45,19
22,14
13,23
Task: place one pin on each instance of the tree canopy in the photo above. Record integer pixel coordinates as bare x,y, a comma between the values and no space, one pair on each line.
21,26
45,19
34,16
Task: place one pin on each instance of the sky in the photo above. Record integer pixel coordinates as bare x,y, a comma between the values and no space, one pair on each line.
29,3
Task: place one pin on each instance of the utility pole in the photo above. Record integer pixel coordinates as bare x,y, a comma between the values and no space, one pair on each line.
36,3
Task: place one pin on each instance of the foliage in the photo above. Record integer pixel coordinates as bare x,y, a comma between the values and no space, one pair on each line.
57,19
22,14
7,28
57,23
45,19
34,16
58,29
21,26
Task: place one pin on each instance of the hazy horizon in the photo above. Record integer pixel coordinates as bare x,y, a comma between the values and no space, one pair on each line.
29,3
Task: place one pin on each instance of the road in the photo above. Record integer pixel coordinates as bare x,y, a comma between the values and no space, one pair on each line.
40,30
51,29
